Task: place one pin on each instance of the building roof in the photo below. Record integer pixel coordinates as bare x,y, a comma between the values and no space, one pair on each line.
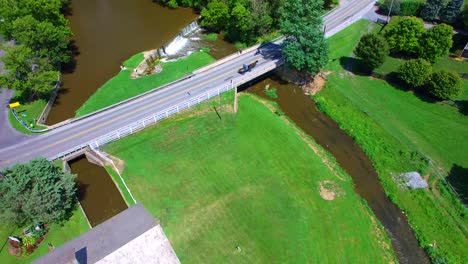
132,236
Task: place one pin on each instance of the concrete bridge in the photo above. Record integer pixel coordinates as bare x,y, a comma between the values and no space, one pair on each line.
120,120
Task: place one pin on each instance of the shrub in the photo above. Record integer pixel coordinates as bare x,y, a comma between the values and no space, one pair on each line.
445,85
450,13
415,72
436,42
372,49
385,7
431,9
403,34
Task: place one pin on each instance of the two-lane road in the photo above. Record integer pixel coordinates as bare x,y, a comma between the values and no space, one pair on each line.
88,129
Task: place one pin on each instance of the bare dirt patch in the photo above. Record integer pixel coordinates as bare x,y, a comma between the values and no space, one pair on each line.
316,84
329,190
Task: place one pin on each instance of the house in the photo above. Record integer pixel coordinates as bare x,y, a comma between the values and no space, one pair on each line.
132,236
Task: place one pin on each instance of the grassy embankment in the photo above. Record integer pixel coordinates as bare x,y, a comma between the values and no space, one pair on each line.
30,111
393,124
57,236
252,181
122,87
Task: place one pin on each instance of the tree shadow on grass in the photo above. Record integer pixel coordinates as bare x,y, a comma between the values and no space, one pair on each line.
458,178
355,66
462,106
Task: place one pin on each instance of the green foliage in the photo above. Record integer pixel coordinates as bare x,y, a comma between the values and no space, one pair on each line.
28,240
445,85
436,42
403,34
240,24
411,8
395,6
372,49
386,121
18,62
261,17
44,38
431,9
415,72
450,13
465,16
304,47
36,192
271,92
211,36
215,15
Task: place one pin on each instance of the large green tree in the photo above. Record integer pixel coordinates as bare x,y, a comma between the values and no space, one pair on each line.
18,62
436,42
44,38
215,15
304,47
403,34
372,49
431,9
450,13
240,24
37,191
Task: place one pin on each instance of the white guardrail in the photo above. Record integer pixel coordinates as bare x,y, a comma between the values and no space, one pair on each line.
148,121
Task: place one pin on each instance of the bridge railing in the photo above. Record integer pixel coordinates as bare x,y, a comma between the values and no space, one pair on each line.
150,120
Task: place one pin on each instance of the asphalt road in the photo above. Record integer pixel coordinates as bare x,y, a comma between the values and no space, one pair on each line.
92,127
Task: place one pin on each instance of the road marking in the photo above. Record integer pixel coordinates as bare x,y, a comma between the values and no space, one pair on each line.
135,111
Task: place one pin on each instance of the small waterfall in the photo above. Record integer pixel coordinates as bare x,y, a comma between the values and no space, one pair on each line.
179,42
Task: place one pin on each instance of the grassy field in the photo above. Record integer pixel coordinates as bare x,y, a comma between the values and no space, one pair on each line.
251,181
396,128
122,87
57,235
27,112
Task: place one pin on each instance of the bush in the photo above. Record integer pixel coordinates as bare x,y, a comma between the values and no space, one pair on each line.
436,42
415,72
385,7
445,85
403,34
372,49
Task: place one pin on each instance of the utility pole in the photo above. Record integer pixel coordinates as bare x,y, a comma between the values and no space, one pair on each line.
389,12
235,99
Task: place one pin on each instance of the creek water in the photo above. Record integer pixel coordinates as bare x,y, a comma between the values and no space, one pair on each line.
325,131
106,33
97,192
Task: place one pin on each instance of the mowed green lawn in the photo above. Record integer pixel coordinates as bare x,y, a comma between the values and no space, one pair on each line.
390,124
122,87
57,236
248,181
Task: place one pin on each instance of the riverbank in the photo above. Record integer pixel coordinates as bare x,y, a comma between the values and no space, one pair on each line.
393,126
222,189
122,86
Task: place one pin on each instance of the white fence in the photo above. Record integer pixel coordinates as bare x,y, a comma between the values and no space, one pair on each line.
141,124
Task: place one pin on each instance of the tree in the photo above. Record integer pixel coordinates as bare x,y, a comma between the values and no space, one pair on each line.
372,49
215,15
403,34
304,47
445,85
240,24
37,191
44,38
465,16
261,19
395,7
450,13
436,42
415,72
18,61
431,9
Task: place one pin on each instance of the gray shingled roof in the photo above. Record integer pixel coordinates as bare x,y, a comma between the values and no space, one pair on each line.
103,239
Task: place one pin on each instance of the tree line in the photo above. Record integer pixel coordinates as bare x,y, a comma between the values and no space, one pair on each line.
407,37
41,43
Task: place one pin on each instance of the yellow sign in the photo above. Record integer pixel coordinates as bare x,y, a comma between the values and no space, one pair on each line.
13,105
